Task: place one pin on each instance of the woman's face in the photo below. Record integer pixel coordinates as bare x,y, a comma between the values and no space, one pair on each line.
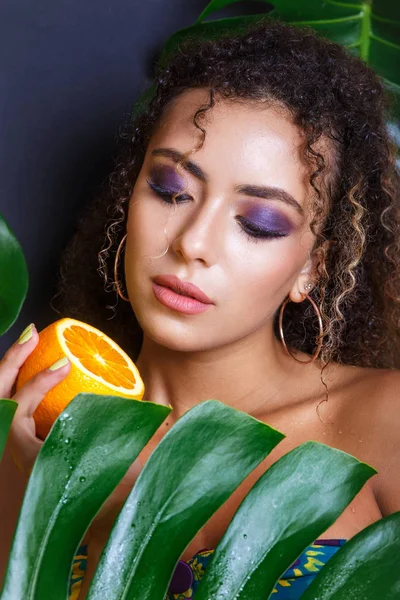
245,247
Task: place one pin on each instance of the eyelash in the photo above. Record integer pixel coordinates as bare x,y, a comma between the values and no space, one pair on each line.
251,231
256,234
164,194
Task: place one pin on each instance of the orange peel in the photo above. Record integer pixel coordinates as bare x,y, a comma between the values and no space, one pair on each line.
98,366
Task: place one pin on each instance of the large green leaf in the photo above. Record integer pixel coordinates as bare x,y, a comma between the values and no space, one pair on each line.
7,412
370,29
13,277
191,473
332,13
365,568
295,501
86,454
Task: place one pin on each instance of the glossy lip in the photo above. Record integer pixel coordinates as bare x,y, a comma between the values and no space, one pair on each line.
182,287
182,304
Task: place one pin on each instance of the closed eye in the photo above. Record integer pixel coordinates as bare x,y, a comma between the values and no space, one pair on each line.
256,233
251,230
167,196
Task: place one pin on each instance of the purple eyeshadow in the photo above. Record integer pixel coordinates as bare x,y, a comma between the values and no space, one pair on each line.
167,178
268,219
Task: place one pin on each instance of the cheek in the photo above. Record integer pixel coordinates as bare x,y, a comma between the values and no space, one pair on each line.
267,270
145,226
138,215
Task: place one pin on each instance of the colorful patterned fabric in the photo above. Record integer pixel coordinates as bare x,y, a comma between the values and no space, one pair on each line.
77,572
290,587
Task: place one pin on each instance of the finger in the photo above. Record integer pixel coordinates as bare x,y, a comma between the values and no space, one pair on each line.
34,390
15,357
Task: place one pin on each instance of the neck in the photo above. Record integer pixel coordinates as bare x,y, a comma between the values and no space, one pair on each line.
247,375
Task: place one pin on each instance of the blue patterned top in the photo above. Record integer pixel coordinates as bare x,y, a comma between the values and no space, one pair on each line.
187,575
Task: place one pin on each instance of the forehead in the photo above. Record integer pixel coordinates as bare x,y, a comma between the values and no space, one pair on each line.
244,142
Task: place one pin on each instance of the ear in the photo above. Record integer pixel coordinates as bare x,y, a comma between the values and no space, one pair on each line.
304,282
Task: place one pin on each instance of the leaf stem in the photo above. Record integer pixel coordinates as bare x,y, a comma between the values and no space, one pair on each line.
365,31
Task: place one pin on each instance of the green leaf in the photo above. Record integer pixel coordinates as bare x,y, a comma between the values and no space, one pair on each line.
13,277
87,452
295,10
217,5
7,412
190,474
370,30
366,567
295,501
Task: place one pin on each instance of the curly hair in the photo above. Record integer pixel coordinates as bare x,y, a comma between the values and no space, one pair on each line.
355,219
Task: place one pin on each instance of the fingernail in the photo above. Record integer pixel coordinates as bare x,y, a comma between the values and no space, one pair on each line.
26,334
59,363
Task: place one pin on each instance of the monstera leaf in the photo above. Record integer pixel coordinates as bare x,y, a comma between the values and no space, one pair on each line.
13,277
357,570
193,470
7,412
370,30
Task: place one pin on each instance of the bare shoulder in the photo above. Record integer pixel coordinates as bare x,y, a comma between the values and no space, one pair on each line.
372,394
369,409
371,391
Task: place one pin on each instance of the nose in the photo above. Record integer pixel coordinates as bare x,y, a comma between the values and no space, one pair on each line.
199,237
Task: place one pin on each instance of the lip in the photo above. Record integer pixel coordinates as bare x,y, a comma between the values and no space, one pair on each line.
169,296
183,288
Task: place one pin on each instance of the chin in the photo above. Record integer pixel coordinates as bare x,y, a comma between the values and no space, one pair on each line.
173,330
178,337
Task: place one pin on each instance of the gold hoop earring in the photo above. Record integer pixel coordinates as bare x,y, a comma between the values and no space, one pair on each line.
116,282
321,331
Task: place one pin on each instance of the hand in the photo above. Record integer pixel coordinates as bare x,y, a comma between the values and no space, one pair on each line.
22,440
23,443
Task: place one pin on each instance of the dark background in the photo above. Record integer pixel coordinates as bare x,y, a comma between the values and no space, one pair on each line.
70,72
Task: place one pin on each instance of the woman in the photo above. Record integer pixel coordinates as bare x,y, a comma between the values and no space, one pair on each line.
258,185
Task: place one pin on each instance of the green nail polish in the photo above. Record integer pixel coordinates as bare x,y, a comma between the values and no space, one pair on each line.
26,334
59,363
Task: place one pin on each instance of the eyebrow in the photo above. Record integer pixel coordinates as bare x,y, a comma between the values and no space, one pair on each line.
258,191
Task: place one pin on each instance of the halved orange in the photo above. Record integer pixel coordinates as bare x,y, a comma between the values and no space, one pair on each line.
98,366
